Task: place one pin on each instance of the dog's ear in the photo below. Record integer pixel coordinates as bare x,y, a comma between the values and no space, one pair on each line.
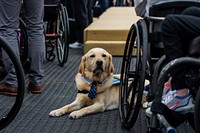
111,66
82,65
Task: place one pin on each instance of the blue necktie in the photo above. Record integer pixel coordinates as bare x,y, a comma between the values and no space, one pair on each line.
93,90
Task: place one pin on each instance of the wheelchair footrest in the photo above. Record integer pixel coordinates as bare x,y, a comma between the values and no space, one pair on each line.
174,118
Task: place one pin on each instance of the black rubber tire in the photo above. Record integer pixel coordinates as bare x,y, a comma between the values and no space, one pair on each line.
67,34
137,40
62,39
8,118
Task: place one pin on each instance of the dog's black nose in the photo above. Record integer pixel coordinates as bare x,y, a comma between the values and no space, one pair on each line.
99,63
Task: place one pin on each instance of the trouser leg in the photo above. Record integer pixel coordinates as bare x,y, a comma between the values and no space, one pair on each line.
81,18
34,11
9,24
178,31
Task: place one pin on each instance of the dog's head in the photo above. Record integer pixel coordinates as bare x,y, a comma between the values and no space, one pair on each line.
96,61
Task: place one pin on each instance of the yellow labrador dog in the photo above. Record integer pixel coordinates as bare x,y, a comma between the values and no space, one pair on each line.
94,81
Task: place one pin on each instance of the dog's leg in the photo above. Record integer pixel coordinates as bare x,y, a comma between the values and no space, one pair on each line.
94,108
77,104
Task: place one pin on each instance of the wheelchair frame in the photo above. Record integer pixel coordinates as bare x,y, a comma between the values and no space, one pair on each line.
138,49
56,31
138,62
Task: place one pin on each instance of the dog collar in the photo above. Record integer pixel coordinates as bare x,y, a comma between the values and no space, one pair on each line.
88,81
83,91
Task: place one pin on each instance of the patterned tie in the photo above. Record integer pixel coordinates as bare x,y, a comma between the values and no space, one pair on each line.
93,90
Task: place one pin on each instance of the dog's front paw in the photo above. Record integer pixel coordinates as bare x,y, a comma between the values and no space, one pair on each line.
56,113
74,115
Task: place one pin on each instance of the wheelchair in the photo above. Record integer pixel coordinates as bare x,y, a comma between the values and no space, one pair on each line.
56,31
164,119
143,50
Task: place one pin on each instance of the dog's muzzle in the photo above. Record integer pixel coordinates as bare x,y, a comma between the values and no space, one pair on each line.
99,68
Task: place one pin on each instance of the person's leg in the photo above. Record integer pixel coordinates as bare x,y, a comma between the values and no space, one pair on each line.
177,32
104,4
9,24
193,11
34,11
90,11
81,18
193,48
81,21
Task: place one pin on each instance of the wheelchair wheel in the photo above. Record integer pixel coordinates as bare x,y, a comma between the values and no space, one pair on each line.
67,33
133,73
63,36
23,44
197,110
12,104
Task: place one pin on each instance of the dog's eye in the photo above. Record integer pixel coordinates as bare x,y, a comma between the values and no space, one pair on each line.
103,55
92,56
